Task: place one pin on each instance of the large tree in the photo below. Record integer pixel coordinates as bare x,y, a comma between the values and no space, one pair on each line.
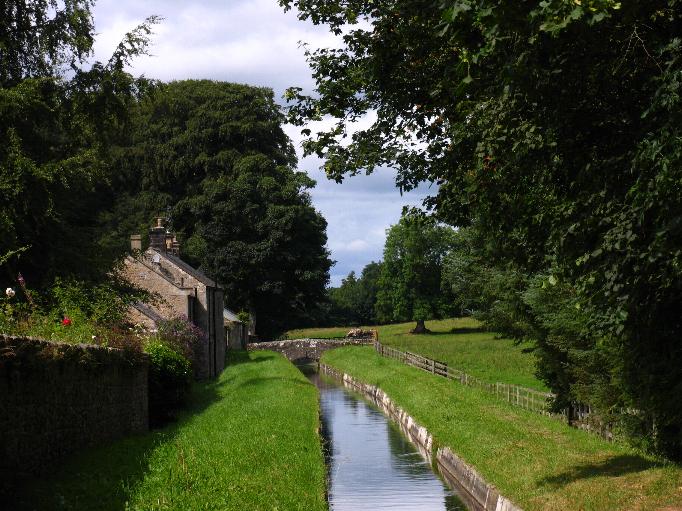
213,157
555,128
409,286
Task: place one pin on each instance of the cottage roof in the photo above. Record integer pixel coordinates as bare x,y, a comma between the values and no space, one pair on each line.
148,311
230,315
200,276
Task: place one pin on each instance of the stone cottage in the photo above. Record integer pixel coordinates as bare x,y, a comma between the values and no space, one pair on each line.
181,291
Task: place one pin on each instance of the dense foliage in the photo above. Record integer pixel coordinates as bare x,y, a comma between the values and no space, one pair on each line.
39,37
554,129
72,311
409,286
170,376
182,335
55,137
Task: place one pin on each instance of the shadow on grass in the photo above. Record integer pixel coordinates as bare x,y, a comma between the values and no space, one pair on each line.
254,382
104,478
248,357
613,467
454,331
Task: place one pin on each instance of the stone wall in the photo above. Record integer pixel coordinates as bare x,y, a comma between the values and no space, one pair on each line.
56,398
302,351
236,334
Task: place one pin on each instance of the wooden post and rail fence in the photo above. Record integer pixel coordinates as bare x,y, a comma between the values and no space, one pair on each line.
581,416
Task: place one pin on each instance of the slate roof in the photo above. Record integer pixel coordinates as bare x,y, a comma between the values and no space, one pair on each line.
230,315
201,277
148,311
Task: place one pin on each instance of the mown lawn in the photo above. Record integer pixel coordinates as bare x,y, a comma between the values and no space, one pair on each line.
461,343
248,441
538,462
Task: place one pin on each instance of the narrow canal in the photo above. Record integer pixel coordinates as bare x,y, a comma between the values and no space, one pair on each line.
371,464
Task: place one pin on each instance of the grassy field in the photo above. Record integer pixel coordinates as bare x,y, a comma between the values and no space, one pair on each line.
461,343
249,441
538,462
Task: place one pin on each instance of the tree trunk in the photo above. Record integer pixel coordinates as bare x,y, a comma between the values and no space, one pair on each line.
420,328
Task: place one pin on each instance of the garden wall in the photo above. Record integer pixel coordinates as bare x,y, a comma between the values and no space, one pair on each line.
56,398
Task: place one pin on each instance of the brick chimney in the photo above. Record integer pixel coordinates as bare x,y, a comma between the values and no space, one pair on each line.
157,236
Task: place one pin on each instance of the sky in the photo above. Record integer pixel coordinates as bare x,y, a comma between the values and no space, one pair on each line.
256,42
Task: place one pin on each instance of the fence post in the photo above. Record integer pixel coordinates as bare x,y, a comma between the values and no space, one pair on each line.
433,366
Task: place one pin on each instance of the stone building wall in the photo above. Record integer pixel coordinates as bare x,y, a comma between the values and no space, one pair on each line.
173,300
56,398
174,282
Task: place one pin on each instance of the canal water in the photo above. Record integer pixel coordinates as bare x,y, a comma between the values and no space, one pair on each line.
371,464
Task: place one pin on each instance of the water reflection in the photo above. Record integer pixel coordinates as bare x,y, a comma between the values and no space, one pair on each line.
372,465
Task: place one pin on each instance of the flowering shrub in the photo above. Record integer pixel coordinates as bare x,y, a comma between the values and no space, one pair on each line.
71,311
182,335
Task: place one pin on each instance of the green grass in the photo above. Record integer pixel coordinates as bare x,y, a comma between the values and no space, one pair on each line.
538,462
319,333
248,442
461,343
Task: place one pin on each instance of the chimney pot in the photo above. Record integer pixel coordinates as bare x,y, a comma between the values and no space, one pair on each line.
157,236
135,242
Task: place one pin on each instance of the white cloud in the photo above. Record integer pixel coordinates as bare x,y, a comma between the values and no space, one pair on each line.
356,245
251,42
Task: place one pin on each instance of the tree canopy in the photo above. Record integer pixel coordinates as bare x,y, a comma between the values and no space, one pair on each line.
39,37
554,129
409,287
55,136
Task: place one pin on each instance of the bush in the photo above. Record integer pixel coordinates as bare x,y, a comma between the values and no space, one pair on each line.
183,336
170,375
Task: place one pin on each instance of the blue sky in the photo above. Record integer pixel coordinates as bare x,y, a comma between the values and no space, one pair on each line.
255,42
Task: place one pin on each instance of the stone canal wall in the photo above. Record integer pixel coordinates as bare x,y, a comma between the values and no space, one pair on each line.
56,398
461,477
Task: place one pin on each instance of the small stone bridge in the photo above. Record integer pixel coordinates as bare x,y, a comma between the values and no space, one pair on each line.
307,351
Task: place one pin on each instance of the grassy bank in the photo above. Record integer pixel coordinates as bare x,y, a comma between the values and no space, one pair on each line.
248,441
461,343
538,462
